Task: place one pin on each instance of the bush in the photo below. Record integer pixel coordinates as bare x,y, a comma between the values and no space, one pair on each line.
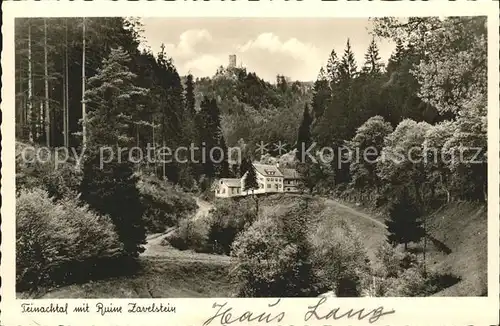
400,274
31,172
164,205
394,260
273,259
412,282
339,258
52,239
191,234
227,219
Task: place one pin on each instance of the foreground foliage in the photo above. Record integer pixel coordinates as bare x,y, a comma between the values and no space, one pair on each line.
283,255
58,241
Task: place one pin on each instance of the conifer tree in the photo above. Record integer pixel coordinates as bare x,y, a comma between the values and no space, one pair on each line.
110,188
321,94
332,68
304,134
373,64
250,181
244,166
208,120
396,57
190,100
404,224
347,66
171,110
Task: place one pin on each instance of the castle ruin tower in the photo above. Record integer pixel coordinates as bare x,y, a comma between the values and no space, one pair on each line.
232,61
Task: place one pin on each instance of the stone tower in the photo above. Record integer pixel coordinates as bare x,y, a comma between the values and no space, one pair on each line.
232,61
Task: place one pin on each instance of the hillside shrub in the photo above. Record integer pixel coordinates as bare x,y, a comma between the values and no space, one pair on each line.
226,220
190,234
273,259
56,240
164,205
392,261
41,172
400,274
339,258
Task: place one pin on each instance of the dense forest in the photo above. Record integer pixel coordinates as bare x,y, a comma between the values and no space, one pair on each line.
84,83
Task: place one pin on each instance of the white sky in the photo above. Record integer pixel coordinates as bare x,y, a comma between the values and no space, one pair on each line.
294,47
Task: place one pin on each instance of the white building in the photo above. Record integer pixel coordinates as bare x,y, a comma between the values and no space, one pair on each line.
270,178
228,187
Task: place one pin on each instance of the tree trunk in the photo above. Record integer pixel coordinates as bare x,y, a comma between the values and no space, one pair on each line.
84,112
256,204
46,79
425,242
417,194
30,86
66,88
22,117
163,162
41,120
154,148
64,99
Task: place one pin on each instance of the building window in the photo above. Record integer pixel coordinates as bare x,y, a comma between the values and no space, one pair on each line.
224,190
268,185
287,189
279,185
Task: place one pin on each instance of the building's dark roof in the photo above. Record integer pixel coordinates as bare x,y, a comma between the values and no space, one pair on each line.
231,182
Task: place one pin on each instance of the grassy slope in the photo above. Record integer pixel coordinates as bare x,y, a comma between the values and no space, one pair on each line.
457,244
462,228
180,275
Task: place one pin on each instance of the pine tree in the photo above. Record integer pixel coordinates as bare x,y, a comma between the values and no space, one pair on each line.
111,188
332,68
244,166
396,57
46,83
172,110
208,120
190,100
404,224
250,181
373,64
347,67
84,75
304,134
321,94
30,113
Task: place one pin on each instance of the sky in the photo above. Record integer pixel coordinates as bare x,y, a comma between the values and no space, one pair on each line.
294,47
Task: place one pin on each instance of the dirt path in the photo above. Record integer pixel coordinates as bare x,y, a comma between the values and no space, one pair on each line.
203,208
154,247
